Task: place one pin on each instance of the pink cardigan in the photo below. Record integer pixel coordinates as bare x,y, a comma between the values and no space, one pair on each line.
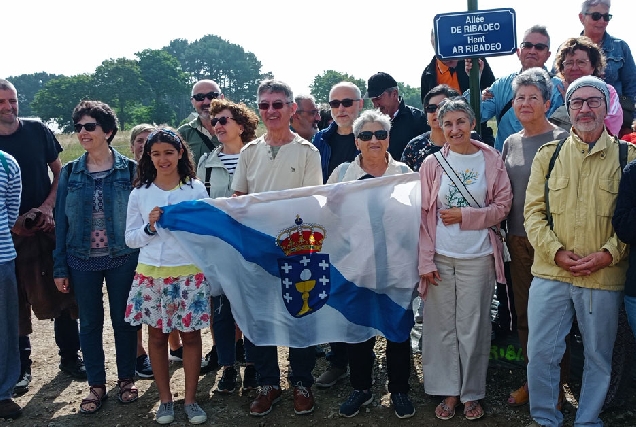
498,203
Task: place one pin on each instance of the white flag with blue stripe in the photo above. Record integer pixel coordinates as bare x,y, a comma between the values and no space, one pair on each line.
332,263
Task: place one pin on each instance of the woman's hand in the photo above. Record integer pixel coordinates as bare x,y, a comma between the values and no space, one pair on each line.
432,278
62,284
451,216
153,217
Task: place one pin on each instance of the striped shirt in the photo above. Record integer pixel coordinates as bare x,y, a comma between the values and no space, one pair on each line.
10,190
229,161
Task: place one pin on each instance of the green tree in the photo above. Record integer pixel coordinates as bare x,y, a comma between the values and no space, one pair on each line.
411,95
56,100
27,86
119,83
323,83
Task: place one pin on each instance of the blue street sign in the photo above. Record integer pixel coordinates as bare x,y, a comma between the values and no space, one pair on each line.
475,34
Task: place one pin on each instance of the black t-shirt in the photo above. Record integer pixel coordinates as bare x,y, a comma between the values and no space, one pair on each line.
343,149
34,146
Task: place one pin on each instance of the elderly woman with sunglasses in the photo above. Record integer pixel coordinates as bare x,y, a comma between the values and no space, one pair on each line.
372,140
620,70
466,193
90,218
234,125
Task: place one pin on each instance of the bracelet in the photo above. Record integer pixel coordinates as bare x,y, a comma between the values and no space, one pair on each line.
148,231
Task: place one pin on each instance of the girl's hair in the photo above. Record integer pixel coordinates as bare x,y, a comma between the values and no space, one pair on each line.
146,172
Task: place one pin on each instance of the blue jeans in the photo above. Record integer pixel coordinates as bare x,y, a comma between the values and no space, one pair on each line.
630,308
225,333
301,361
551,308
88,292
9,354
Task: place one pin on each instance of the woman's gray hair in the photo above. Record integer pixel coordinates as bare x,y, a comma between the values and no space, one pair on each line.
587,4
536,77
371,116
455,104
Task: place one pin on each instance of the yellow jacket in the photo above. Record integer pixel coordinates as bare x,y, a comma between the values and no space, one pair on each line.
582,190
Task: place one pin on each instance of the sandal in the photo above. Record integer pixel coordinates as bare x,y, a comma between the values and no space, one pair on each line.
445,409
475,407
127,386
519,397
97,400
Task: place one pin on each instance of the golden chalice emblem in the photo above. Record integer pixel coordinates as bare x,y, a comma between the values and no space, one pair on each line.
304,288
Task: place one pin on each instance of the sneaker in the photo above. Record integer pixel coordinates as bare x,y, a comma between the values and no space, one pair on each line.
176,355
249,379
355,401
240,351
9,409
267,396
402,405
143,369
227,384
330,377
165,413
195,414
210,362
22,386
74,367
303,400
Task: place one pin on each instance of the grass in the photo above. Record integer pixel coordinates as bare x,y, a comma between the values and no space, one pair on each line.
73,149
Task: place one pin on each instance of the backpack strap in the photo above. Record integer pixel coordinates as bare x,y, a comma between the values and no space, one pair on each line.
546,190
208,174
343,170
622,153
504,110
5,165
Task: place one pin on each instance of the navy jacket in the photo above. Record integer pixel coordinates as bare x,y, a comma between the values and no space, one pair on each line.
624,221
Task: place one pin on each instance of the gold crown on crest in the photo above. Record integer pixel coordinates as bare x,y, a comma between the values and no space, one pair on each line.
301,238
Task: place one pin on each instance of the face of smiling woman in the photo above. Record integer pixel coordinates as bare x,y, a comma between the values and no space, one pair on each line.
375,148
457,127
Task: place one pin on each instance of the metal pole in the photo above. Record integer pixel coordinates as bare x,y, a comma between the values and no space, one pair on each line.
475,91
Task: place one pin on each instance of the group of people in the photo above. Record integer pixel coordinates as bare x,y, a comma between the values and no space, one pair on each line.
554,171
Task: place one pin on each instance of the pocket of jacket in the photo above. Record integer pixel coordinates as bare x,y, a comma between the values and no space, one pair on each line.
558,194
606,199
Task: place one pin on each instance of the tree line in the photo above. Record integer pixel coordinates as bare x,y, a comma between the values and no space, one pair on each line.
154,87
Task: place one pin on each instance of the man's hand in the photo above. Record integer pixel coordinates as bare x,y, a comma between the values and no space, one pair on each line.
62,284
591,263
45,222
566,259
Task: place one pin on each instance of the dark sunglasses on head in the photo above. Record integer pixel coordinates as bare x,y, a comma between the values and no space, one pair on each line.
90,127
347,102
431,108
276,105
223,120
366,135
201,96
537,46
597,16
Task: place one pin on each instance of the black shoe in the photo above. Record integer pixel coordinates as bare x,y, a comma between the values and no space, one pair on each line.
227,384
402,405
249,379
143,369
176,355
210,362
240,351
74,367
9,409
22,386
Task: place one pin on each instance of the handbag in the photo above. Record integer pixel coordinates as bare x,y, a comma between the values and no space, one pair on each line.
452,175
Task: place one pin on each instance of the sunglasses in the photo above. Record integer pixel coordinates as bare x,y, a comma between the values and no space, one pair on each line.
201,96
223,120
276,105
431,108
366,135
538,46
596,16
90,127
347,102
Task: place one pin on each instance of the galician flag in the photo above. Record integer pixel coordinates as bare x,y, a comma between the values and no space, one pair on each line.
332,263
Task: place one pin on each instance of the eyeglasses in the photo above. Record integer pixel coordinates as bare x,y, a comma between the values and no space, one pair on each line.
366,135
90,127
347,102
223,120
580,63
597,16
537,46
276,105
431,108
210,95
311,112
592,102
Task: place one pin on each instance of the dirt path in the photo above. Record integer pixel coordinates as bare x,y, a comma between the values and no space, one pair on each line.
54,397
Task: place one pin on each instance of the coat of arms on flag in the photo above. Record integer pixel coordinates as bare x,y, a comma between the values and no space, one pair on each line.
304,273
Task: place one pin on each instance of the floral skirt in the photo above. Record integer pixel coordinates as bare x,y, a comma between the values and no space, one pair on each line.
181,303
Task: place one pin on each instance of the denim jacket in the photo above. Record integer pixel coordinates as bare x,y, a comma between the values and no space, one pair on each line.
620,70
74,210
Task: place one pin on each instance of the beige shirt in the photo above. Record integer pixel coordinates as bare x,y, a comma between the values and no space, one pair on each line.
297,164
